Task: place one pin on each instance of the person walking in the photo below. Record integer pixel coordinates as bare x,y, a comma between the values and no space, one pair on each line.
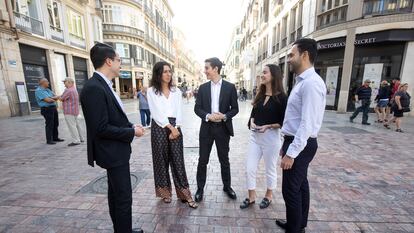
46,100
363,95
70,101
165,103
109,134
216,105
144,110
382,99
303,120
265,121
401,105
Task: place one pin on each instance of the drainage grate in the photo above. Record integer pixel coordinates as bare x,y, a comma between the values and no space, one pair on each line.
349,130
192,151
100,184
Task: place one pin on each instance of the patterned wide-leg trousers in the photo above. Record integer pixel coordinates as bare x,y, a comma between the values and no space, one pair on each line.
166,153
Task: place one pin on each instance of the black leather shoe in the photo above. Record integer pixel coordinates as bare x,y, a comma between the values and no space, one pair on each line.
366,123
58,140
230,192
51,143
282,224
199,195
137,230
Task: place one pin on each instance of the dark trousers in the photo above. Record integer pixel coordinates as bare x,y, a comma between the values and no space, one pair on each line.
210,133
295,186
364,108
120,198
145,117
51,122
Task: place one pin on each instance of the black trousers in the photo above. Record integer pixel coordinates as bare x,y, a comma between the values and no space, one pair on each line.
210,133
364,108
120,198
295,186
51,122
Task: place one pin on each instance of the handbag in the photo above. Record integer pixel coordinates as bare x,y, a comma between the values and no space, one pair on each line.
406,109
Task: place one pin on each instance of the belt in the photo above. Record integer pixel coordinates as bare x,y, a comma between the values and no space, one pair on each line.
49,107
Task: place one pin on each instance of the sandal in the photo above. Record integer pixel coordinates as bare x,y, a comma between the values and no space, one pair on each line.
246,203
387,126
167,200
265,203
399,130
191,203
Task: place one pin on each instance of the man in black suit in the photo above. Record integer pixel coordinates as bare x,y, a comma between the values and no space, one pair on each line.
216,105
110,134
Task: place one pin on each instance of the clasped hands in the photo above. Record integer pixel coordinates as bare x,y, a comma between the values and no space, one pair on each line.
139,130
175,133
216,117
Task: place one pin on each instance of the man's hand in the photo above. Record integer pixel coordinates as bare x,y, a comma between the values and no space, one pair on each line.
214,117
263,128
287,162
139,131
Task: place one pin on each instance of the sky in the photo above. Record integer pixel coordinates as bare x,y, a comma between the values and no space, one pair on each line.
207,25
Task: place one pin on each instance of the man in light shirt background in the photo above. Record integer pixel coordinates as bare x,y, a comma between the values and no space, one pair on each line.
303,120
70,102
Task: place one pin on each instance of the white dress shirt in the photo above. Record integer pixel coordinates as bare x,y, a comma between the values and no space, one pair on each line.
305,110
215,95
162,108
110,84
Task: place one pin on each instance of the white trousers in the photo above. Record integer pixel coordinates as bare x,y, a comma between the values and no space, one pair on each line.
266,145
74,128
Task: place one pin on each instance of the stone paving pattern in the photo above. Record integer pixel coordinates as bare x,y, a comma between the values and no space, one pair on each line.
361,180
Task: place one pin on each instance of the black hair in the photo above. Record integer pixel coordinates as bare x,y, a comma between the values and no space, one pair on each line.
309,45
100,52
215,62
157,72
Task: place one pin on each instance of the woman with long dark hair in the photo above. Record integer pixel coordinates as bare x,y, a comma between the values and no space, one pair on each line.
265,122
165,103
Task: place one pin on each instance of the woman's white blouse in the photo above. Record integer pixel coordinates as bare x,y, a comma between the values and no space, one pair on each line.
162,108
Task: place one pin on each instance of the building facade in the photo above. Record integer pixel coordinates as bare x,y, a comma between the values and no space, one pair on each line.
232,62
141,32
356,40
44,39
186,68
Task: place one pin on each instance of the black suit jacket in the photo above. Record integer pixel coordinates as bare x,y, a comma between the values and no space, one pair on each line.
109,131
227,104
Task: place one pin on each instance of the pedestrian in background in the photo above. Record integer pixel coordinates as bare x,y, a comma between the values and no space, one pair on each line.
382,99
70,102
265,121
363,96
401,105
144,110
46,100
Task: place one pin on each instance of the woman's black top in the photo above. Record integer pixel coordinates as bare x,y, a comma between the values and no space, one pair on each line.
273,112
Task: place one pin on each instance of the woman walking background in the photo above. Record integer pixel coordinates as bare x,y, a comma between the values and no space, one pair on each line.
165,103
265,122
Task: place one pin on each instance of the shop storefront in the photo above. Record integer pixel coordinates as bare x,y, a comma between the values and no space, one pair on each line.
328,65
125,84
34,68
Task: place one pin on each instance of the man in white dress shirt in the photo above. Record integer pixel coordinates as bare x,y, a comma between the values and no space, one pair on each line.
303,119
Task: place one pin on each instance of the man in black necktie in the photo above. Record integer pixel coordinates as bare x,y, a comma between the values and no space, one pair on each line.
216,105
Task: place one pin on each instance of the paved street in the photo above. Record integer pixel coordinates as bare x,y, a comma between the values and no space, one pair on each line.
361,181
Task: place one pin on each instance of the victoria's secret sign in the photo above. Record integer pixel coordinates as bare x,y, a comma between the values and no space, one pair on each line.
339,44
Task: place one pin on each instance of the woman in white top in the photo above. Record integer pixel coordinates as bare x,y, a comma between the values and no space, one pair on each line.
165,103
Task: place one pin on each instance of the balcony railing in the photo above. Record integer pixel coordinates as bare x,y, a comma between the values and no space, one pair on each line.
151,41
77,41
123,29
28,24
126,61
56,33
138,63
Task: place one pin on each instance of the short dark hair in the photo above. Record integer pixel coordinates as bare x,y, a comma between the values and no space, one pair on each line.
215,62
157,71
100,52
309,45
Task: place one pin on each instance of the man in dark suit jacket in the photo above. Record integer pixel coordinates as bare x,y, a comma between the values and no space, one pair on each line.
216,105
109,134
